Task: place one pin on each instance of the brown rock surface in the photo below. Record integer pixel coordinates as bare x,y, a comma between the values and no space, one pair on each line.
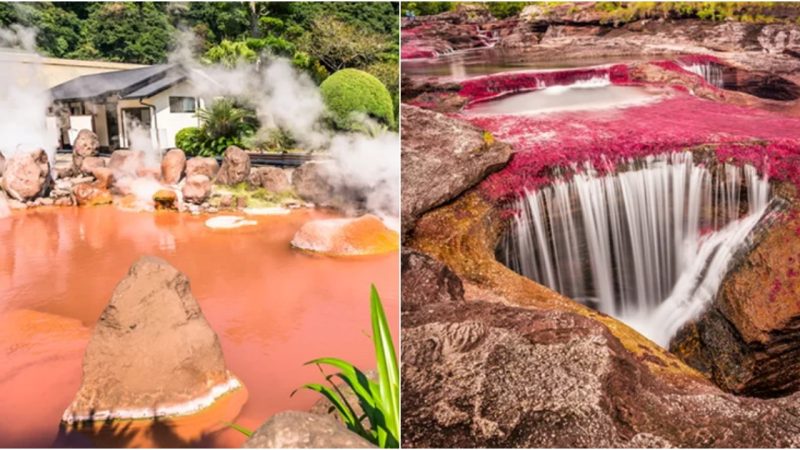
104,177
273,179
441,158
196,188
427,281
126,161
89,194
165,199
748,341
173,165
90,163
489,375
310,183
235,166
27,175
295,429
202,166
86,145
151,352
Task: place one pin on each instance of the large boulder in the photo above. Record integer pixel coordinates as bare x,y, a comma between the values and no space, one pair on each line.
90,163
173,165
441,158
427,281
273,179
152,353
365,235
86,144
202,166
748,340
296,429
310,182
196,188
91,194
235,167
27,175
126,162
480,374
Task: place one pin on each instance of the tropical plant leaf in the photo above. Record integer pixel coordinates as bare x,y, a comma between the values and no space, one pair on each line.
241,429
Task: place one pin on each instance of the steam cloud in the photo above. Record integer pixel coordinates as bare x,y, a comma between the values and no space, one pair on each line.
283,98
24,97
286,98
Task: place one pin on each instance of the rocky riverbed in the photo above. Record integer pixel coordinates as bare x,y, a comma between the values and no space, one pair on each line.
492,358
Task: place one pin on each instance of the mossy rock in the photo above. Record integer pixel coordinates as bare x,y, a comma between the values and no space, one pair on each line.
351,91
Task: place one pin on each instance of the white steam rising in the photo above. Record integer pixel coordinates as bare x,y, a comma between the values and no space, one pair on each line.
286,98
24,97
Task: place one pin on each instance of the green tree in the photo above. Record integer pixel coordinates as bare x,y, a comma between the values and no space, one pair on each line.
352,91
127,32
338,45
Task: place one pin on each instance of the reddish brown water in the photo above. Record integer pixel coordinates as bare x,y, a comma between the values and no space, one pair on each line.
273,308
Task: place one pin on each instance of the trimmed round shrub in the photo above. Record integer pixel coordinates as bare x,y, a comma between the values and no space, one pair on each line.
189,139
351,91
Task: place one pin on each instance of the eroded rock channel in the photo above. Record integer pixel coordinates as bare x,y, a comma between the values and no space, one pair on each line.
627,276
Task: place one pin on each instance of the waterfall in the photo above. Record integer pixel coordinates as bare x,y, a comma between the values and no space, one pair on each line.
710,72
649,245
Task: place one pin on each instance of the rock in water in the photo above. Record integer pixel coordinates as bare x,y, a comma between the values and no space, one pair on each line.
366,235
85,145
235,166
172,166
196,188
152,353
27,175
273,179
310,182
296,429
442,157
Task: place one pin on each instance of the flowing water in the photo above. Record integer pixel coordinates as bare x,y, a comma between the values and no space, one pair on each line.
592,94
649,245
274,308
465,64
710,72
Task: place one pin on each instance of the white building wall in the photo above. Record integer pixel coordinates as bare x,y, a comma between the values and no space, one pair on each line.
170,123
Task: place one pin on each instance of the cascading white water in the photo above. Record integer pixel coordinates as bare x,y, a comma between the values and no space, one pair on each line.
649,245
710,72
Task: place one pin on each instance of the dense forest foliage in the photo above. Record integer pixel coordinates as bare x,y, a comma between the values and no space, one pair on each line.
320,38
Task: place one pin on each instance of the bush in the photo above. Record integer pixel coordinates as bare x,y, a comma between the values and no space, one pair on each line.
189,140
350,91
224,124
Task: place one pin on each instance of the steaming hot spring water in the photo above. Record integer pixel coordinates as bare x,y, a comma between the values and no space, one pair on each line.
649,244
273,307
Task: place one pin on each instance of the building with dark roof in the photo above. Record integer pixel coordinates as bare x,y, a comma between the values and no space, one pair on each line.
144,106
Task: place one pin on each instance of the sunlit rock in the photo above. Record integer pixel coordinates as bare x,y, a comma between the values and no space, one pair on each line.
86,145
90,163
27,175
173,165
235,166
366,235
89,194
296,429
165,199
152,353
273,179
196,188
202,166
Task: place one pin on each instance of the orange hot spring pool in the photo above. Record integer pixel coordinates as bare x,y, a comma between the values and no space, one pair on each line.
272,306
